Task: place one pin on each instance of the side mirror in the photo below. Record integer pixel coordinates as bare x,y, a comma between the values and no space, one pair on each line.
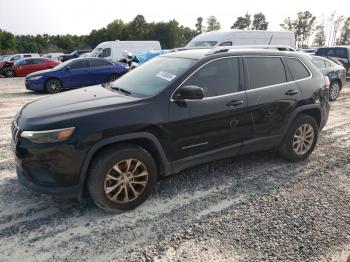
189,92
68,68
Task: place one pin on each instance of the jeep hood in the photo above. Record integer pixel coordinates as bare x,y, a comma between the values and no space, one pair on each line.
71,105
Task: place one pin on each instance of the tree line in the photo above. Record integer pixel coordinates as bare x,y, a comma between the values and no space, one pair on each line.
334,30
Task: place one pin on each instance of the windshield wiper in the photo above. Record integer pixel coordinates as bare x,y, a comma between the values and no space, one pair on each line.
121,90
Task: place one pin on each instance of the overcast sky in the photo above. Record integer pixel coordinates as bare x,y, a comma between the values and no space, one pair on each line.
81,16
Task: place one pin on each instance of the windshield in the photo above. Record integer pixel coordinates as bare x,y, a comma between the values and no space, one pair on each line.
153,77
95,52
202,43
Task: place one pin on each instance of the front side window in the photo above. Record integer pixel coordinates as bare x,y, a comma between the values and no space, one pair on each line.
79,64
297,69
15,58
219,77
106,52
265,71
153,76
228,43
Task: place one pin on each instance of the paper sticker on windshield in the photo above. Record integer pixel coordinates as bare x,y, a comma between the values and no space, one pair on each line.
166,76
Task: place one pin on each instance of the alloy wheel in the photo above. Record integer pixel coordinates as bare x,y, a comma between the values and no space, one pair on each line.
53,86
303,139
334,91
125,181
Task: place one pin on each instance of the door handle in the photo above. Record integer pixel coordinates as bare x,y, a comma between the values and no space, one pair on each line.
235,103
291,92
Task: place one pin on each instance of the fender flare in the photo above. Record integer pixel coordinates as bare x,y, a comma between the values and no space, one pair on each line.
296,112
111,140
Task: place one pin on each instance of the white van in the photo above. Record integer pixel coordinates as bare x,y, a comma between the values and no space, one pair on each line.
113,49
243,37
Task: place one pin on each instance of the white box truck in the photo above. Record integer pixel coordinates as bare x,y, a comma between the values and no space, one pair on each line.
113,49
243,37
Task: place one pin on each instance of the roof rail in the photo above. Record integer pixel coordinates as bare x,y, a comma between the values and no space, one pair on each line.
224,49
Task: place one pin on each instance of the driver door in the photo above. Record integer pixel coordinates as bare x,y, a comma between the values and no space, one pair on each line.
220,120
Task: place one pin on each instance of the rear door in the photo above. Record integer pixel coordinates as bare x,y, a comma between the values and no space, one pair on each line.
100,71
76,74
218,121
272,95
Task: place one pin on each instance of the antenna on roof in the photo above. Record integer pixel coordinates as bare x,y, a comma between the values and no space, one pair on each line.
270,40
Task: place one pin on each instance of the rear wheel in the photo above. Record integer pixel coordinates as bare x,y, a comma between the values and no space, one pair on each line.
121,178
300,139
334,91
53,86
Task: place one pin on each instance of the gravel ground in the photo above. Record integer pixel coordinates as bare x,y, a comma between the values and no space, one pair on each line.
256,207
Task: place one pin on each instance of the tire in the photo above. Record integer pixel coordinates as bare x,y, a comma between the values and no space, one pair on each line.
8,72
53,86
334,90
289,146
109,184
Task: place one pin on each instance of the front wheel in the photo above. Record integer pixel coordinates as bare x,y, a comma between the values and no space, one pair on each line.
334,91
9,72
300,139
121,178
53,86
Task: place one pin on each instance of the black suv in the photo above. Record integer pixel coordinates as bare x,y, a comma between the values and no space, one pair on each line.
340,53
176,111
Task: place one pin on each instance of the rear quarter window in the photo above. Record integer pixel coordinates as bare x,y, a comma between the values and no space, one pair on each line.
297,69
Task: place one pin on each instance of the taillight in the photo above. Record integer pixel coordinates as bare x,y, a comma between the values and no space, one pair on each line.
326,81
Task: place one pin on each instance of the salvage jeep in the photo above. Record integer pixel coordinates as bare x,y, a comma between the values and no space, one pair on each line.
177,110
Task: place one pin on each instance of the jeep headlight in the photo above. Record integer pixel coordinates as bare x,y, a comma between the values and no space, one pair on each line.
48,136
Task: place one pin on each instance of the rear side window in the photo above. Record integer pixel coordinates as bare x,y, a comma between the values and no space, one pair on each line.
219,77
265,71
328,64
99,63
318,62
297,69
341,52
27,56
79,64
38,61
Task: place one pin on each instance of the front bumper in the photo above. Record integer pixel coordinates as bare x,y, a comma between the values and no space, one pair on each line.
34,85
51,169
23,178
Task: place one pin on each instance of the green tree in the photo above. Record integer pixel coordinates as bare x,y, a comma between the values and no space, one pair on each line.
320,36
213,24
303,27
259,22
288,24
242,22
344,38
199,26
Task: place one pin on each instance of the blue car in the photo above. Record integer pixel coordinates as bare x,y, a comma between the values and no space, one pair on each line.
75,73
